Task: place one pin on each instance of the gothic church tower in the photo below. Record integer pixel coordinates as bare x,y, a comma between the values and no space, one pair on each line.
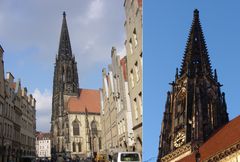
195,107
65,82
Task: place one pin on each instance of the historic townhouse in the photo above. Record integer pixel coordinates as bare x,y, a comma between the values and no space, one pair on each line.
116,116
75,122
43,145
17,118
133,43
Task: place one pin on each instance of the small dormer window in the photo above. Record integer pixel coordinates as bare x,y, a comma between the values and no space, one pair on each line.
195,39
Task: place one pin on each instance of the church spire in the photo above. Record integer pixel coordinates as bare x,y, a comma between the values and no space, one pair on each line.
195,108
64,43
196,58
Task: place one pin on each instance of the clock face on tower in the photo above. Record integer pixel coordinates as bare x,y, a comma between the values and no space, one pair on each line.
179,139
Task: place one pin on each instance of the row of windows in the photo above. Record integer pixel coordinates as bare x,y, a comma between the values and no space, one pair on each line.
7,130
44,147
121,127
77,147
7,111
27,125
137,105
44,153
133,42
76,128
26,140
27,112
17,136
120,105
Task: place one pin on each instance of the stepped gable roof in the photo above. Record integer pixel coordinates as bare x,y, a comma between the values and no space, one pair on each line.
228,135
43,136
87,98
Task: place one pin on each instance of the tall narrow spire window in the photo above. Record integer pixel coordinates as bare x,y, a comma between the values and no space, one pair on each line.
63,74
69,75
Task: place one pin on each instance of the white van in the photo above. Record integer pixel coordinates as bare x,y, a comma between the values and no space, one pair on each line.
126,157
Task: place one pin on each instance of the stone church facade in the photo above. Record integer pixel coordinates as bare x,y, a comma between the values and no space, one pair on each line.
75,122
195,108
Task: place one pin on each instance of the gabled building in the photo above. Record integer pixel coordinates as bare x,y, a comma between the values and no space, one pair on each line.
116,115
17,118
133,44
43,145
195,108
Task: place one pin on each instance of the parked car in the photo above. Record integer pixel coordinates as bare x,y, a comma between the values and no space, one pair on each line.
126,157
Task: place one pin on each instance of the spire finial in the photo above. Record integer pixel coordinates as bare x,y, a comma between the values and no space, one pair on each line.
196,12
64,14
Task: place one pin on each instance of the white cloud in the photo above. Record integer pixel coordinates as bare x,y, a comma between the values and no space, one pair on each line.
43,99
43,107
95,10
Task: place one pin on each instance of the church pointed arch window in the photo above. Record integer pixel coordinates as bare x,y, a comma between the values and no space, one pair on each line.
63,74
79,147
210,108
94,127
76,127
74,147
69,75
180,109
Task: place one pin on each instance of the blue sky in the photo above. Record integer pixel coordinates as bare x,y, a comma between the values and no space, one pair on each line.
30,32
166,28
